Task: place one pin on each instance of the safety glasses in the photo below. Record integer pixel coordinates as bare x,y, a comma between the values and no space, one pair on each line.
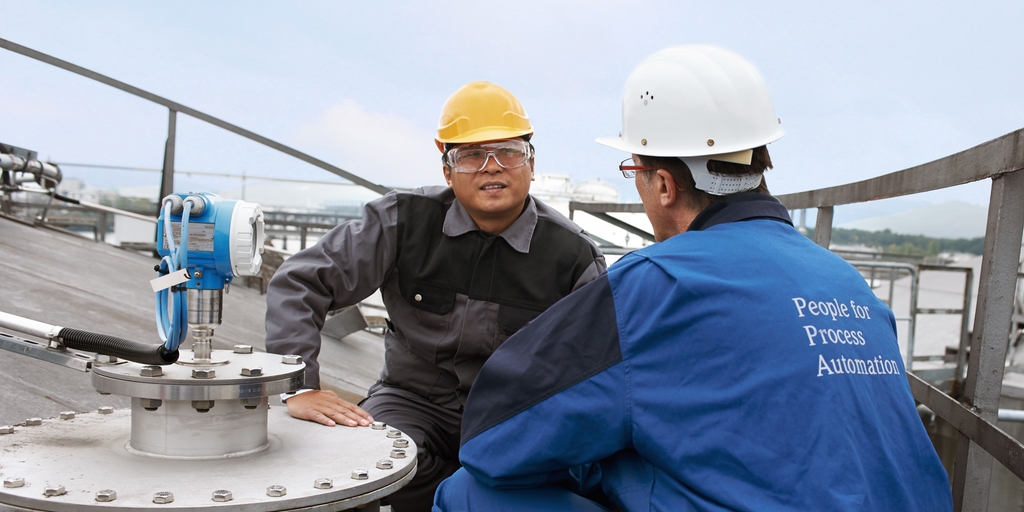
473,157
629,170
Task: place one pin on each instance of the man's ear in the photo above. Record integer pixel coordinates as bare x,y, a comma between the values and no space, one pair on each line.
447,175
533,174
667,188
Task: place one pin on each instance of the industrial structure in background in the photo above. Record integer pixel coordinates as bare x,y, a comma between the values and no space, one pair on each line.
966,393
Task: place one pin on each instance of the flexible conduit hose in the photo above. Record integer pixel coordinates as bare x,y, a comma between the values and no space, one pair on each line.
118,347
171,310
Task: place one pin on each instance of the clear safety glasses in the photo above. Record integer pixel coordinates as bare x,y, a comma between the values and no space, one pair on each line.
473,157
629,170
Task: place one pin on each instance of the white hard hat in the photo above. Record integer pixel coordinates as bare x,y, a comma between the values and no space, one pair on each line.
696,100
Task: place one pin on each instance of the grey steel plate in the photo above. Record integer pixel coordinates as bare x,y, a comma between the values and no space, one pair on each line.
87,454
177,383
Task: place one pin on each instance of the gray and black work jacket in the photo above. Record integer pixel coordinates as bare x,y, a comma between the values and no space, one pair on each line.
453,293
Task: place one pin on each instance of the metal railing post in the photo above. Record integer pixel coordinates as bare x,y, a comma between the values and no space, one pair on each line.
973,469
823,226
167,178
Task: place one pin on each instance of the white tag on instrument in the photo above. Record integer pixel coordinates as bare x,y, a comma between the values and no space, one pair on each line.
174,278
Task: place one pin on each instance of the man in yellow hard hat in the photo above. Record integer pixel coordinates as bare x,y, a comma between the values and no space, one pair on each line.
460,268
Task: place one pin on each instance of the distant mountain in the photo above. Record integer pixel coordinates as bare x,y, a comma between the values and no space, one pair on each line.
953,219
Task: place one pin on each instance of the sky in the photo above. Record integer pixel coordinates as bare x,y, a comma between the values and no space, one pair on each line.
862,88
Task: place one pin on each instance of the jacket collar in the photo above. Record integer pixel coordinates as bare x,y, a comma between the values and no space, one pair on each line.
740,207
518,235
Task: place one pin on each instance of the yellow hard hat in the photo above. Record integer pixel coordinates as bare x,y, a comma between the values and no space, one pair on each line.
481,111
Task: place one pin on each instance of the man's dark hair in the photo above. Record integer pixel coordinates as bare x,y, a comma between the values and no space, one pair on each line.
759,163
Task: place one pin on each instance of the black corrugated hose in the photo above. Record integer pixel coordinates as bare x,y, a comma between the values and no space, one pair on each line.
117,347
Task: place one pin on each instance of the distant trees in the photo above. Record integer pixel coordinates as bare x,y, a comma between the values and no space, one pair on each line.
911,245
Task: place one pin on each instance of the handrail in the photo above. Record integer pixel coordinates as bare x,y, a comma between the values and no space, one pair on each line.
178,107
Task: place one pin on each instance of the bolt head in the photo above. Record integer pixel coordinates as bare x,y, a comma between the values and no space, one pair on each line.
276,491
203,373
400,443
394,433
106,495
103,358
323,483
360,474
54,490
291,359
67,415
202,405
150,404
14,481
163,497
33,422
384,464
243,349
6,429
106,409
397,453
221,495
250,403
252,372
378,425
151,371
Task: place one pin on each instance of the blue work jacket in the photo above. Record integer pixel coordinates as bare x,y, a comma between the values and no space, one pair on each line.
736,366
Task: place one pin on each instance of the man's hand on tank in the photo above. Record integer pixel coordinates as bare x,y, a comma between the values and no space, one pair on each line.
326,408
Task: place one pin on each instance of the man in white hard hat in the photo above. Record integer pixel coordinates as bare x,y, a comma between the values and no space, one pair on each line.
460,268
733,365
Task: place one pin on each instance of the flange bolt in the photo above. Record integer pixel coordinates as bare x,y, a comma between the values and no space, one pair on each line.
54,490
163,497
151,371
106,495
276,491
221,495
323,483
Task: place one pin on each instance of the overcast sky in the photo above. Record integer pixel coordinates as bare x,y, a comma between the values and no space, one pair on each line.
861,91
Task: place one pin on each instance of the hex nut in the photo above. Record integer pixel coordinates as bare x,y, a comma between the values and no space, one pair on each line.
104,358
250,403
378,425
202,405
151,371
221,495
106,495
291,359
323,483
243,349
163,497
150,404
54,490
398,453
360,474
203,373
106,409
14,481
394,433
400,443
276,491
252,372
33,422
384,464
6,429
67,415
